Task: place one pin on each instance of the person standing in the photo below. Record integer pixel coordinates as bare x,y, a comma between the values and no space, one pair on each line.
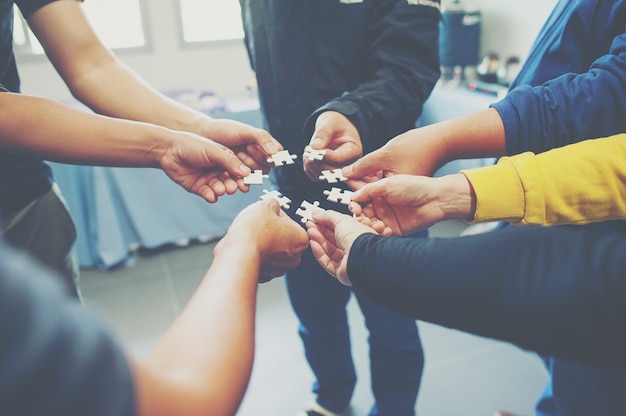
154,132
345,76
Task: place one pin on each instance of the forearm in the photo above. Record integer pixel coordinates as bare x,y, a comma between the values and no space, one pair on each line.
37,126
475,135
100,80
203,362
557,290
107,90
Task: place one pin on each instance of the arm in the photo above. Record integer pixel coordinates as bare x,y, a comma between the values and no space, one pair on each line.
202,364
99,80
400,72
423,150
530,286
570,107
53,131
578,183
63,355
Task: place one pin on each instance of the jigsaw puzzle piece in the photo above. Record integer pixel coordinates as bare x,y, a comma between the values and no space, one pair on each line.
282,200
332,176
306,210
255,178
342,196
313,154
281,158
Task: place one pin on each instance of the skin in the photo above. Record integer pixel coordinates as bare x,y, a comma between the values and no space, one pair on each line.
402,204
423,150
335,133
202,364
195,150
332,235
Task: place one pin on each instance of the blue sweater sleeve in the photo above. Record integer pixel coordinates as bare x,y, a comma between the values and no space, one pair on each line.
569,108
557,290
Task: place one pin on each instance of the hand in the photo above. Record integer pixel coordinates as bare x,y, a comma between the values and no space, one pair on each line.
416,152
251,145
334,132
203,167
263,229
405,203
332,235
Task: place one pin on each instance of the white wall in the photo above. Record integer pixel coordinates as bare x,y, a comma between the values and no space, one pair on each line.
222,67
509,27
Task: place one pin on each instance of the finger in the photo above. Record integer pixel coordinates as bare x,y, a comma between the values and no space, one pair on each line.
227,159
217,186
367,165
321,139
355,208
230,185
324,261
248,160
343,155
327,218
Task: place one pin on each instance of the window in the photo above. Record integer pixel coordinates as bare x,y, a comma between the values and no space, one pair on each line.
210,20
119,23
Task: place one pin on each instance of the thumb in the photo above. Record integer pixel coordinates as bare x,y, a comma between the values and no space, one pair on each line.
227,159
367,165
320,139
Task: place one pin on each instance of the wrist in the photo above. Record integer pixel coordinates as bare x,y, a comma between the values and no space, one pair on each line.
458,200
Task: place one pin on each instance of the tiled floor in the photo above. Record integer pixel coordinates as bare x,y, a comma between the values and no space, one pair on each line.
464,375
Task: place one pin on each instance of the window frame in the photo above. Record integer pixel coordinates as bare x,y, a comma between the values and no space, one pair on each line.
24,52
184,44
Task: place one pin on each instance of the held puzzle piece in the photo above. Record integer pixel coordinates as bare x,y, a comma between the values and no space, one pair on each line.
332,176
282,200
342,196
281,158
306,210
313,154
255,178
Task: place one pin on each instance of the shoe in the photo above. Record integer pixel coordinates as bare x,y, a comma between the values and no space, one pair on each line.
314,409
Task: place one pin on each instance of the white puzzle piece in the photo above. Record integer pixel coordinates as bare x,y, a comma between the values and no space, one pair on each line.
313,154
255,178
282,200
332,176
342,196
306,210
281,158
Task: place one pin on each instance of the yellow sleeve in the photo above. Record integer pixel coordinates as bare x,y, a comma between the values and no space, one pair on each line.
575,184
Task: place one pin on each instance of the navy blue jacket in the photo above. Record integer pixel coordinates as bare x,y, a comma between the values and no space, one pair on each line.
22,178
573,83
375,61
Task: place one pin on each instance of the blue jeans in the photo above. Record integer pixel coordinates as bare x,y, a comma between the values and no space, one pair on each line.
396,355
577,389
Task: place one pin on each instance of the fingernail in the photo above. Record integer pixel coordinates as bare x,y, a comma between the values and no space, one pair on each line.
244,169
346,171
317,141
271,148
